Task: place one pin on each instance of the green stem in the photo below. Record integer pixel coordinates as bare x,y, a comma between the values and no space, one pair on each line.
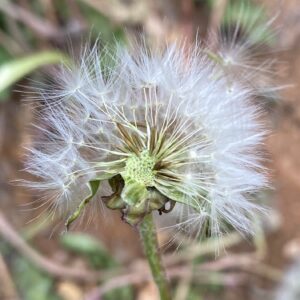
148,236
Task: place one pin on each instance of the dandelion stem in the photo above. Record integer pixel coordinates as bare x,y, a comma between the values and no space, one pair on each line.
148,236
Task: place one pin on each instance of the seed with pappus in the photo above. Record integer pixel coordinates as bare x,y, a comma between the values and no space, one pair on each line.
164,129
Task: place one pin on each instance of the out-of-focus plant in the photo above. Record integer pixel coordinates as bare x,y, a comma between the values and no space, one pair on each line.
244,45
252,19
249,19
167,131
31,283
98,257
173,131
91,248
15,69
26,30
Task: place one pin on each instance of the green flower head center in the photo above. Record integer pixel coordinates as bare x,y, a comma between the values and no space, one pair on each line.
140,168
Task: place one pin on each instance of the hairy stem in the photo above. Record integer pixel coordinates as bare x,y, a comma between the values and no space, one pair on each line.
148,236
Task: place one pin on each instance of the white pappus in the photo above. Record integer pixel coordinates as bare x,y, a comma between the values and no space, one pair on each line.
159,126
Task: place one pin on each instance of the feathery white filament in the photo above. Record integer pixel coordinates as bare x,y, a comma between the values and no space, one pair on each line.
207,134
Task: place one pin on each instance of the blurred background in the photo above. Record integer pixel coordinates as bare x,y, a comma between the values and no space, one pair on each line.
104,260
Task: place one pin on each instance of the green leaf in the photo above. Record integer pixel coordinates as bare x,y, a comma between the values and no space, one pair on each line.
252,19
123,293
31,283
101,25
90,247
81,243
4,56
93,186
14,70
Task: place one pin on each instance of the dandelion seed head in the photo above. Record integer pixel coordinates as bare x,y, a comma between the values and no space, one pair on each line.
160,126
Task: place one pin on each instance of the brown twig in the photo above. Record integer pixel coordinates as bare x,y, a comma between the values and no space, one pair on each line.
183,287
120,12
53,268
43,263
246,262
41,27
201,249
201,276
117,282
76,12
14,31
7,288
49,11
10,44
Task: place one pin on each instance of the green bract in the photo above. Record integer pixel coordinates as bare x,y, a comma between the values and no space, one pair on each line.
133,180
